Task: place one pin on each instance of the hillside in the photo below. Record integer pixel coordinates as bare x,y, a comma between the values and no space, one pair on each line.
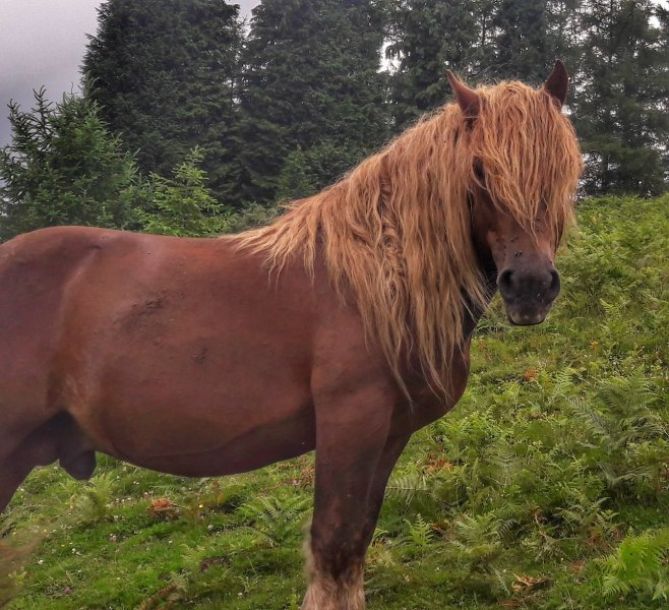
546,488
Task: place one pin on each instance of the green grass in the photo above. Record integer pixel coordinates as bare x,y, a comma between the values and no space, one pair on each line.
547,487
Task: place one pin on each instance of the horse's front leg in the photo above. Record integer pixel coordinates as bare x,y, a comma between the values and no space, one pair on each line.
327,591
351,434
391,452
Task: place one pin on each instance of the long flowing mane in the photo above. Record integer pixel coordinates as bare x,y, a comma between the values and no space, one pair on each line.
395,232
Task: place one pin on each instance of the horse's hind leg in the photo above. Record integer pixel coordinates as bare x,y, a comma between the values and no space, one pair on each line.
15,465
12,473
350,443
57,439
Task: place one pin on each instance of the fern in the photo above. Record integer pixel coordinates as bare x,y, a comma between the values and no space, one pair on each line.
277,518
638,564
477,540
93,503
420,534
407,486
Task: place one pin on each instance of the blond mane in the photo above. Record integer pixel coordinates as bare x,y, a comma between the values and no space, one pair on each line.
395,232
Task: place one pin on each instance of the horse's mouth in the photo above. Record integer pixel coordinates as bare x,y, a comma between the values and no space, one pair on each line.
526,316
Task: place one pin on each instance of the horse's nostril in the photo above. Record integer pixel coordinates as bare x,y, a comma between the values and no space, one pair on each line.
505,282
554,288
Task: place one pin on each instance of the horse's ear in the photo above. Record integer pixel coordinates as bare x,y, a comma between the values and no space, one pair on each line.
468,100
557,83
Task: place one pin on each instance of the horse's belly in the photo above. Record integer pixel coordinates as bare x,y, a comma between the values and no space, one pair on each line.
211,448
178,422
195,403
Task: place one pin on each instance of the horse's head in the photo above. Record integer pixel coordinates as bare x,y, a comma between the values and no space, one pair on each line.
525,165
522,260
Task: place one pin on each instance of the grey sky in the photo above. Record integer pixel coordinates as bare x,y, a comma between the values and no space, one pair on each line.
42,43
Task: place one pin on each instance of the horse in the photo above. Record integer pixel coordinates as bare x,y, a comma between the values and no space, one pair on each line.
342,326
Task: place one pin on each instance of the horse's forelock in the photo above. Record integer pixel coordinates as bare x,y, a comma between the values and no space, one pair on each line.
529,153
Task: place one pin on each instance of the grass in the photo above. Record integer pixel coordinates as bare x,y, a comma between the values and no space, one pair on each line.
546,488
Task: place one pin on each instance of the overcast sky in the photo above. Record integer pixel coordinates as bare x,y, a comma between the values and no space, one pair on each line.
42,43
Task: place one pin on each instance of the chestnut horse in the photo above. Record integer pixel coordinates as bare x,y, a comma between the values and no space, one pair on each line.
344,326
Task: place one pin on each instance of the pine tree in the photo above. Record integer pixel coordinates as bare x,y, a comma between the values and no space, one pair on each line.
661,80
619,105
311,79
63,167
429,36
563,35
294,181
183,205
164,73
521,41
483,40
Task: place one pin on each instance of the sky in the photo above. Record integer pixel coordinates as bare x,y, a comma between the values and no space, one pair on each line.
42,42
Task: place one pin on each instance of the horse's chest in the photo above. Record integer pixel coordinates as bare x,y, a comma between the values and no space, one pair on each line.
429,407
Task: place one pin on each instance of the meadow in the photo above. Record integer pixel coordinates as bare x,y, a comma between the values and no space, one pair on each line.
546,488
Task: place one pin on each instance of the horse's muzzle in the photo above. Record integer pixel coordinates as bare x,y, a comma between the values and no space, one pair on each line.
528,293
